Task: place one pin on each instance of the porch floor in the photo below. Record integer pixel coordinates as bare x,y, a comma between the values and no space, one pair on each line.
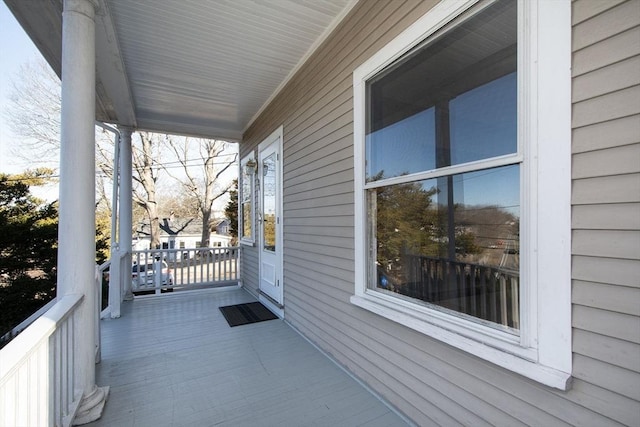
172,360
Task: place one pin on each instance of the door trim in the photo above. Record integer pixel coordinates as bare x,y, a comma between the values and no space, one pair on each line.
276,306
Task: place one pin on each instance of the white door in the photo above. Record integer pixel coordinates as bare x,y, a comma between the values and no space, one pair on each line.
269,219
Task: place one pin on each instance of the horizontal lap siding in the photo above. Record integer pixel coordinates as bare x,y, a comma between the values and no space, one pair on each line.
606,204
249,268
432,383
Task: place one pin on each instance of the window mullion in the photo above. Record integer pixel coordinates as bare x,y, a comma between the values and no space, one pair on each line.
510,159
443,135
443,159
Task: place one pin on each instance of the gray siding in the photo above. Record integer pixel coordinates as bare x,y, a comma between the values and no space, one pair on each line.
428,381
606,208
249,268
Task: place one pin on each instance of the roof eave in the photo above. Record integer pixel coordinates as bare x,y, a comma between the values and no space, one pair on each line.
42,22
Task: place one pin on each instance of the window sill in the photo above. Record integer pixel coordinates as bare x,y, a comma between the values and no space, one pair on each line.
248,243
416,320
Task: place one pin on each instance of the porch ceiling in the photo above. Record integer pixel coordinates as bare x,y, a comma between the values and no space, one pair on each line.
199,67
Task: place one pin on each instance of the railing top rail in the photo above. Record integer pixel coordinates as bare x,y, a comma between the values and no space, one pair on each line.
22,345
102,267
140,251
29,320
440,259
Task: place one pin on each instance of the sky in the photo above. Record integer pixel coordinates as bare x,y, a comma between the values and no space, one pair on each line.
16,49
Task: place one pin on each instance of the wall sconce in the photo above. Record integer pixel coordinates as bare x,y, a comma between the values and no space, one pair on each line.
250,167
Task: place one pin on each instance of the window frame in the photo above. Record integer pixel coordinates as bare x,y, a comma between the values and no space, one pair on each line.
542,351
247,240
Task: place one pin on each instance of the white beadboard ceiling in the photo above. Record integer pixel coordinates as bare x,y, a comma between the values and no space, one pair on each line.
198,67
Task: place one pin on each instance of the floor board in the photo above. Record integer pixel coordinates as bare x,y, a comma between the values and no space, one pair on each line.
173,360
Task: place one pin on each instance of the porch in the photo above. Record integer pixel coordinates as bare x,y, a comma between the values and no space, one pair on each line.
174,360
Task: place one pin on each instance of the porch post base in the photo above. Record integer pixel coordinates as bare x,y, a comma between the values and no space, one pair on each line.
91,406
128,296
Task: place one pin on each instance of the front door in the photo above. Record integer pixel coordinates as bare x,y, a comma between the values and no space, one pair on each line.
270,222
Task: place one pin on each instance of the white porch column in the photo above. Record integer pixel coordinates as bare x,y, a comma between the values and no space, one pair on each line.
115,277
76,235
126,208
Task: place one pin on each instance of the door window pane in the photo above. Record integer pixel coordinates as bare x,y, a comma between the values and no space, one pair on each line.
246,197
269,191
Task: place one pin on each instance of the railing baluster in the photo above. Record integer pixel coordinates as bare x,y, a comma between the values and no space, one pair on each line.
433,274
218,266
473,290
495,296
503,300
201,268
65,366
57,378
484,294
225,257
462,287
68,356
515,302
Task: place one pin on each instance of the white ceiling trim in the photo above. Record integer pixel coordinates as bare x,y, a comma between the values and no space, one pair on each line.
111,69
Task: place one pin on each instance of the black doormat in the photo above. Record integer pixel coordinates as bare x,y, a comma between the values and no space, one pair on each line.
243,314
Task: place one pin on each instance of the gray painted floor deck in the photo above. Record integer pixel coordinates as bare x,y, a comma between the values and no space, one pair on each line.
173,360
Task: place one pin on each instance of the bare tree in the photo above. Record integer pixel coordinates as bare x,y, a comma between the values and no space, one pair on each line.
204,188
34,112
146,166
179,203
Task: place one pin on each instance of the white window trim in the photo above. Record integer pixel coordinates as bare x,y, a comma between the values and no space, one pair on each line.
249,241
542,352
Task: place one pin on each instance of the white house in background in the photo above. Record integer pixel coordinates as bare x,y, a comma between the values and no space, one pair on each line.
182,233
372,135
222,227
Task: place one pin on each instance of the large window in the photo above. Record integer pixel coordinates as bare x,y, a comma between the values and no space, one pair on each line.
449,226
246,206
451,240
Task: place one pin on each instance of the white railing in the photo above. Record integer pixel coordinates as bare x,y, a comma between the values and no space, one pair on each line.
37,370
28,321
100,269
167,269
101,273
487,292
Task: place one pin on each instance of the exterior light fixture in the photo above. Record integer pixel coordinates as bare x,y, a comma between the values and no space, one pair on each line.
250,167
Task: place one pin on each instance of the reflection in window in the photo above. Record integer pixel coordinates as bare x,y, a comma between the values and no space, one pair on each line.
483,121
449,102
269,202
402,148
452,241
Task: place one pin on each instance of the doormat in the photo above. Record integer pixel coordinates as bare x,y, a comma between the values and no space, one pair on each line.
243,314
